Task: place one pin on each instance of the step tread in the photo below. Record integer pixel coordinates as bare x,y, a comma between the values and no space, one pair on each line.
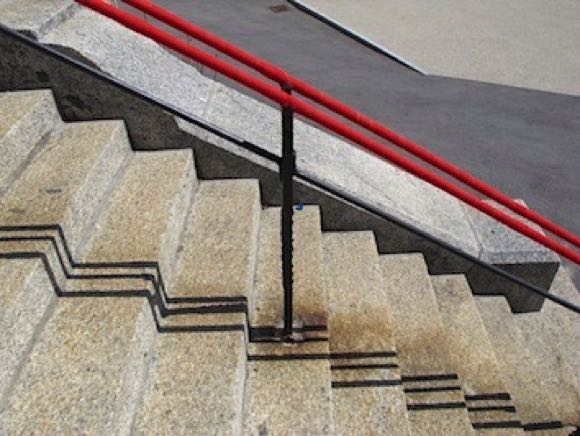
144,215
359,322
549,335
289,394
195,385
218,250
57,190
470,348
309,296
523,380
83,373
22,281
25,118
422,348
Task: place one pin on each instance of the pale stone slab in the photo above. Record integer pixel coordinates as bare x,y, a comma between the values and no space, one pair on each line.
85,371
133,59
35,17
551,336
310,301
26,300
288,397
422,346
25,118
470,348
145,215
359,322
67,181
523,378
218,252
287,393
195,385
514,253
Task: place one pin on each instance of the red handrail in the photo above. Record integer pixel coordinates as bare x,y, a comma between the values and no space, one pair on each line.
277,74
333,124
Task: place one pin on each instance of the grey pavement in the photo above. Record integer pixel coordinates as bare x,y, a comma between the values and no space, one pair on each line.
526,43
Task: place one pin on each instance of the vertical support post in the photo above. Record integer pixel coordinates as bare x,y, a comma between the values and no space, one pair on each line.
287,168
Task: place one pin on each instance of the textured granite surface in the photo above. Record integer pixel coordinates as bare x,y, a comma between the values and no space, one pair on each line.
422,345
288,397
195,385
26,301
359,322
550,335
310,303
68,191
144,216
217,253
35,17
470,349
25,118
84,371
524,380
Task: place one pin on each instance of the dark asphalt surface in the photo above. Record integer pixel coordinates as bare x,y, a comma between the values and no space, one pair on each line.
525,142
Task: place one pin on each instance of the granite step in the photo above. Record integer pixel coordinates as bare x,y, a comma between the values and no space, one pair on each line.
552,337
26,300
288,385
488,402
66,183
144,217
435,399
36,18
199,369
87,369
26,117
84,372
51,191
217,255
523,379
360,326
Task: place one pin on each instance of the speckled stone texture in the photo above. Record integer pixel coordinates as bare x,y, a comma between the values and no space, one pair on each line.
471,350
67,181
217,254
195,385
289,395
359,322
35,17
25,118
132,58
523,378
310,302
422,346
514,253
26,300
84,372
145,215
552,336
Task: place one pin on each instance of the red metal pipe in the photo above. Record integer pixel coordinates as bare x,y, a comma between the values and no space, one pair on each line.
277,74
307,110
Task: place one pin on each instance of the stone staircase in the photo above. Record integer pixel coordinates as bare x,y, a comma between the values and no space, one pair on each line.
139,299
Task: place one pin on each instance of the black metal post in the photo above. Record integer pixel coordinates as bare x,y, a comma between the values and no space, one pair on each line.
287,169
